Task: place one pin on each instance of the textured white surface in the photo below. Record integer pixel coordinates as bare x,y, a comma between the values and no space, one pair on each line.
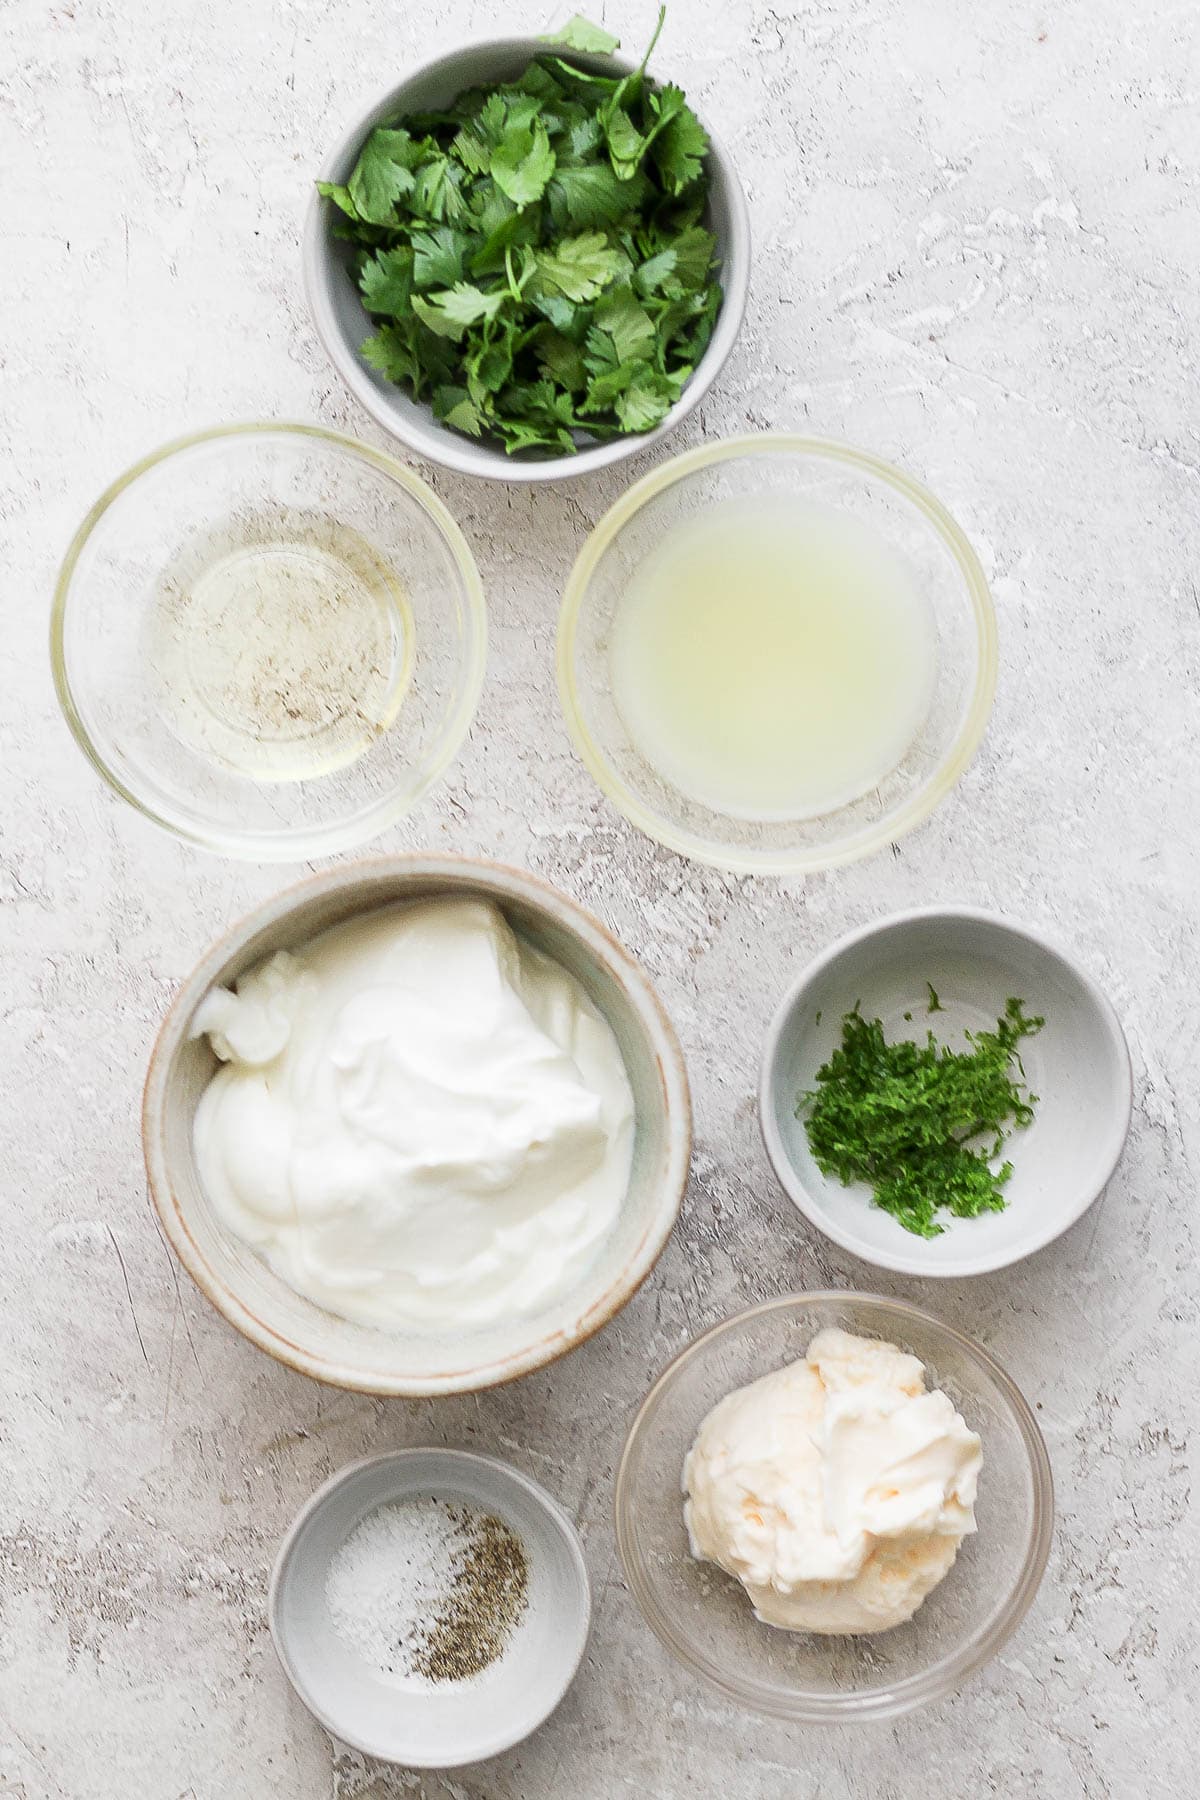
977,253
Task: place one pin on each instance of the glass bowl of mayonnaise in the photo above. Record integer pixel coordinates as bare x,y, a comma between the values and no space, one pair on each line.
834,1507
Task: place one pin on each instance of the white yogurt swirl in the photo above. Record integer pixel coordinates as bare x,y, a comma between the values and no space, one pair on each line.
422,1121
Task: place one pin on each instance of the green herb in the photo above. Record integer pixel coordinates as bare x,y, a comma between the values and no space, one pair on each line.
535,254
580,34
921,1123
935,1004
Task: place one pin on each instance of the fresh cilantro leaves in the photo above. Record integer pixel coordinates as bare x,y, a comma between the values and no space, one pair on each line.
535,256
580,34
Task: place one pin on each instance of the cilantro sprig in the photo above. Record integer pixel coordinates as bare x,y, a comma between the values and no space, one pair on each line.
922,1123
535,255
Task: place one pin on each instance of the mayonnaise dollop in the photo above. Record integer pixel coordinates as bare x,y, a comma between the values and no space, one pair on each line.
422,1122
836,1489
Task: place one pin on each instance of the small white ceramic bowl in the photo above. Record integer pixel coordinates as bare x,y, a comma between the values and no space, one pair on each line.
414,1723
1078,1064
242,1286
342,325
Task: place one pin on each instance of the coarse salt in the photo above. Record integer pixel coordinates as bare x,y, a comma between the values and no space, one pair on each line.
394,1587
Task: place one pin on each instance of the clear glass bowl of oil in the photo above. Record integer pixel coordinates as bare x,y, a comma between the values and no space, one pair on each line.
269,639
776,653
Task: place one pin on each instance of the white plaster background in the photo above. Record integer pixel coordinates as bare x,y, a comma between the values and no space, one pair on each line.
978,253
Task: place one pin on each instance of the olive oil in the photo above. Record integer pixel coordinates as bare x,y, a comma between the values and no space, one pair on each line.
280,646
771,660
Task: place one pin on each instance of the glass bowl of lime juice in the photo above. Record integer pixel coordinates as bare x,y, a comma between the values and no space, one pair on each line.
777,653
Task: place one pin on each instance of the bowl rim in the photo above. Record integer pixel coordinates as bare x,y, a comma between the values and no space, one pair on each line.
437,443
341,835
494,1466
872,837
894,1698
896,1261
506,884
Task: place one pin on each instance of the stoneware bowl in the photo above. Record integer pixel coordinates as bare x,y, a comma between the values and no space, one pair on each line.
703,1616
461,1722
342,325
261,1305
1078,1065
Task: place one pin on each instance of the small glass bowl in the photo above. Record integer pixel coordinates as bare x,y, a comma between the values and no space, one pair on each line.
703,1615
827,477
269,639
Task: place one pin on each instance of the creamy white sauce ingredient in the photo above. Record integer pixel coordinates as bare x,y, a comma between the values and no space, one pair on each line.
837,1490
422,1121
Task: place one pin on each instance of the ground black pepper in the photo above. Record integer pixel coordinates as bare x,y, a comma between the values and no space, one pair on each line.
487,1596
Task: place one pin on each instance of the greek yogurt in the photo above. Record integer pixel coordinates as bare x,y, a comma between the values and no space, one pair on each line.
421,1121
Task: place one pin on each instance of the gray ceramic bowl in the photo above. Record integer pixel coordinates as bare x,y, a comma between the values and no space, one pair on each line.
460,1722
342,325
1078,1065
259,1303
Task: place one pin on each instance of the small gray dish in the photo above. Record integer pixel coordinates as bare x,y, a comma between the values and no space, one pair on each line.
342,325
413,1722
1078,1065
